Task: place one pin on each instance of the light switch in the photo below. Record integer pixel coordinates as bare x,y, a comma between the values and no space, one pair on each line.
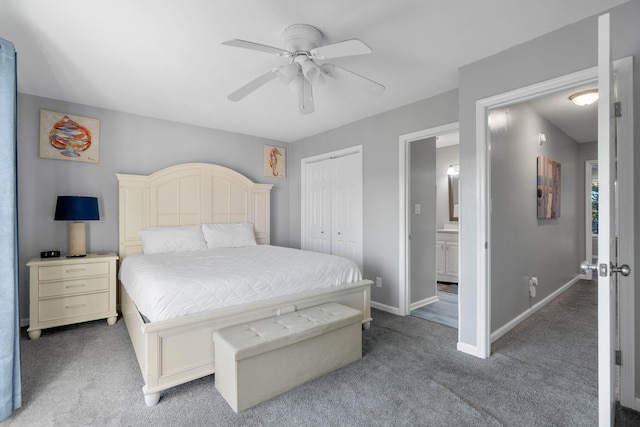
417,209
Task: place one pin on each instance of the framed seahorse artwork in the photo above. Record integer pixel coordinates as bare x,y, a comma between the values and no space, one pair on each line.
68,137
275,161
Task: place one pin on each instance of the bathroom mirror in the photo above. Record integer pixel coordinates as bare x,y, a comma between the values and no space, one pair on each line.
454,197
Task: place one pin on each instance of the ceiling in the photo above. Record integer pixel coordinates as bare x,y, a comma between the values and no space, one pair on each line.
164,59
580,123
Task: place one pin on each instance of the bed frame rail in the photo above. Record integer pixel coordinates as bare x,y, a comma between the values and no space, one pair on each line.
174,352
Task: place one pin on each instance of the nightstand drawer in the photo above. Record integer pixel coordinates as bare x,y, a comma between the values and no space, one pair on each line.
80,305
70,271
89,284
71,290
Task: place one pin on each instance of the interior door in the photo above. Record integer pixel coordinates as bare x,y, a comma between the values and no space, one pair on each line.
607,254
318,211
346,221
332,211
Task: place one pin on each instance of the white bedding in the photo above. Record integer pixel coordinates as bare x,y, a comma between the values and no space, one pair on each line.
167,286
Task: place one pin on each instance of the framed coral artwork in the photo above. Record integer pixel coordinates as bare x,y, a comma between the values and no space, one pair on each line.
275,161
68,137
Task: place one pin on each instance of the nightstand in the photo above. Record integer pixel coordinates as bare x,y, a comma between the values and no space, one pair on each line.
71,290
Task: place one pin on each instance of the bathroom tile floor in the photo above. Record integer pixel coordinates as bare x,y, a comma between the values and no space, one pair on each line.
445,310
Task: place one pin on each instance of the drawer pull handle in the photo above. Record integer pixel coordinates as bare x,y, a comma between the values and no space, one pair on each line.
71,270
75,306
80,285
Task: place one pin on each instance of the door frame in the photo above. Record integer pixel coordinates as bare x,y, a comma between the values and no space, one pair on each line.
588,234
404,292
624,70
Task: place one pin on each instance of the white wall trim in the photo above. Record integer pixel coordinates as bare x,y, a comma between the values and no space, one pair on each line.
527,313
404,296
623,71
423,302
483,312
468,348
387,308
483,178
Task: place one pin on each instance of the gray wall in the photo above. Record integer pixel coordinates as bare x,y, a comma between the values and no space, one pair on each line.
558,53
422,227
446,156
523,245
379,137
128,144
561,52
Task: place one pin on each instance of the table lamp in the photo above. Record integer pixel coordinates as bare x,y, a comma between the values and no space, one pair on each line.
77,208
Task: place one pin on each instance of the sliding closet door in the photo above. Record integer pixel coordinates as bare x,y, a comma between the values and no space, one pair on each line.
332,204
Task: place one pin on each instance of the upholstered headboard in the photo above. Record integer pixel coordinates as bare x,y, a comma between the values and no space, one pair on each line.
191,193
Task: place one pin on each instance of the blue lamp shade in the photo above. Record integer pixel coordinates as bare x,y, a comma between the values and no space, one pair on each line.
76,208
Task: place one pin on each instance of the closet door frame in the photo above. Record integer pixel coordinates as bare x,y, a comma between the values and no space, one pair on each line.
355,150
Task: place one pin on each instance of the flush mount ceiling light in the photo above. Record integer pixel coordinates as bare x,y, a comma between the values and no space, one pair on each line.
585,97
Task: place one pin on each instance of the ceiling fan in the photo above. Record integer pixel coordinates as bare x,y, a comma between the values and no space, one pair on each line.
303,45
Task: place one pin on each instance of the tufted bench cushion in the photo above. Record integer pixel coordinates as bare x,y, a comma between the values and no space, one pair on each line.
258,360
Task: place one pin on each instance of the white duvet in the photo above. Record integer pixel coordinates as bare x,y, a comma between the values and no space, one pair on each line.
167,286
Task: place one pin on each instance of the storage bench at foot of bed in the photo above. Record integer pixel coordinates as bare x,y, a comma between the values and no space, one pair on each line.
259,360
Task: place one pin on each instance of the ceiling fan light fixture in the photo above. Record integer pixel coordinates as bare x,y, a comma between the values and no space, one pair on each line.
302,45
310,70
295,84
585,97
287,72
320,81
327,69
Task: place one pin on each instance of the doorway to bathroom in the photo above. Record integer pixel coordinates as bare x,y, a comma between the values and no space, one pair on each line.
429,208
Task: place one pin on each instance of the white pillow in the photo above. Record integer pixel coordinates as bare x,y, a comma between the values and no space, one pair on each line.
233,235
164,240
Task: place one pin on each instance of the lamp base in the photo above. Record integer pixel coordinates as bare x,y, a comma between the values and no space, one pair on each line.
77,239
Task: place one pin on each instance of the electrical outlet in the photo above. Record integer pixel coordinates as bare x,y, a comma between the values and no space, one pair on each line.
378,282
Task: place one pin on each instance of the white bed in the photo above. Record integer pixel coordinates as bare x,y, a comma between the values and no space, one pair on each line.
180,349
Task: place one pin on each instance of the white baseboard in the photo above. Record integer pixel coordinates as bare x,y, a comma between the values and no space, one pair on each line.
422,303
519,319
387,308
24,322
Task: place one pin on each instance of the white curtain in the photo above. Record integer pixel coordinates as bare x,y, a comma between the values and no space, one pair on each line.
10,386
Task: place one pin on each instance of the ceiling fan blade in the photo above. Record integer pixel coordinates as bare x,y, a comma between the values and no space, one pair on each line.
364,83
305,98
344,48
252,85
257,46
